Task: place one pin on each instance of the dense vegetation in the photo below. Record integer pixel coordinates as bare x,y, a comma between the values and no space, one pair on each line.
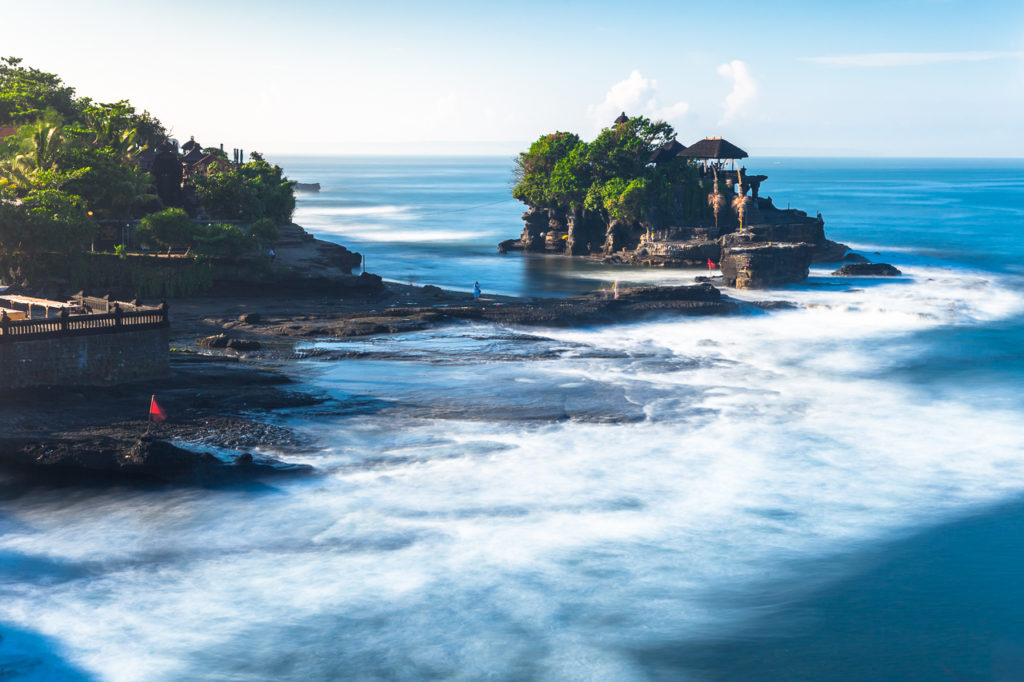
68,163
611,176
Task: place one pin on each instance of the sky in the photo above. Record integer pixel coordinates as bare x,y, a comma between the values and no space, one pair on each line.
940,78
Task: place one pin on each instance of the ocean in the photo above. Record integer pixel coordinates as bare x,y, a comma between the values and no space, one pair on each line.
831,492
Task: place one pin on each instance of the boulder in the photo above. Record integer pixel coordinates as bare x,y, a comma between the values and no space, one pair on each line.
244,344
510,245
368,281
867,270
759,266
215,341
249,318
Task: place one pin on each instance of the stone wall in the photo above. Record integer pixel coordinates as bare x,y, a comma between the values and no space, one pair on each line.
84,360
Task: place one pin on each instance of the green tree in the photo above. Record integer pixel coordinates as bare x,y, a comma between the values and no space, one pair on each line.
62,220
218,239
533,168
252,191
264,231
168,228
611,176
27,94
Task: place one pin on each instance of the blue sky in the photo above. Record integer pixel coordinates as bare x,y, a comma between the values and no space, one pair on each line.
896,78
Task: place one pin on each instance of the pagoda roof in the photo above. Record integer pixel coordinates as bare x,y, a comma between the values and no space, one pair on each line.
667,151
714,148
193,155
621,118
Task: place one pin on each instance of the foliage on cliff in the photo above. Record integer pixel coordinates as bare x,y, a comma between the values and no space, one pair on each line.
172,228
77,152
248,192
612,175
68,162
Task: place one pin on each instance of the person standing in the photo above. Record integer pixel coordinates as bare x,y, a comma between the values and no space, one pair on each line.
476,289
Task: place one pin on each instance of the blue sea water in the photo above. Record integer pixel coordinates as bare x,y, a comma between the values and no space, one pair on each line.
832,492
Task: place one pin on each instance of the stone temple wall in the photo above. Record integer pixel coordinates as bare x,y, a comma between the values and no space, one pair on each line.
85,360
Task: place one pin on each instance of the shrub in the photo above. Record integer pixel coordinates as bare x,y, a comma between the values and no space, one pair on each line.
265,231
167,228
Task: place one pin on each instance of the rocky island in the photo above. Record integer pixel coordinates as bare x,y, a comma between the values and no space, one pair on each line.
636,195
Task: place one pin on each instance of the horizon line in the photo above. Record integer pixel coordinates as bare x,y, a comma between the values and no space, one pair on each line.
463,155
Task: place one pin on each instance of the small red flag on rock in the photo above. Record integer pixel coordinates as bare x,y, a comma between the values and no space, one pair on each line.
155,413
711,264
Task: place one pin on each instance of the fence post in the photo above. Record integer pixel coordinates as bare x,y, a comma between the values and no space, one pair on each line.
63,315
5,323
117,314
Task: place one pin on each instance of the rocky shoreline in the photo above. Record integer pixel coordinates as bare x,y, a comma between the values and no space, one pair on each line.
217,427
231,376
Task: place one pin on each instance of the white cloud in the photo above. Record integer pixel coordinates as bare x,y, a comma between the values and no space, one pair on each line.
876,59
744,89
446,106
635,96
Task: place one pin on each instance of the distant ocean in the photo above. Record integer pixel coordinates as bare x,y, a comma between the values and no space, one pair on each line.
834,492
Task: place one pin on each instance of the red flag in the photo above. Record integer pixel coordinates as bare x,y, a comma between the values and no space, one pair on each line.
155,413
711,264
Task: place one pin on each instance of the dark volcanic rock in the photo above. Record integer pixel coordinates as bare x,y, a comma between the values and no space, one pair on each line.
853,257
215,341
367,281
597,307
828,251
867,270
244,344
249,318
761,266
510,245
95,459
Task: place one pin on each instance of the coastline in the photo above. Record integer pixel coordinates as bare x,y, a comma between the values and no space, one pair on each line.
221,397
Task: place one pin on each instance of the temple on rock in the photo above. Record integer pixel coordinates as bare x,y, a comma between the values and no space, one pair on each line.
754,243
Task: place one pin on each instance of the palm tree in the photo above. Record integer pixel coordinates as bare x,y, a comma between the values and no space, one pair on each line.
47,141
115,133
135,190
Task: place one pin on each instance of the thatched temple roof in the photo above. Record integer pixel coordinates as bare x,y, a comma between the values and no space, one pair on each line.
621,118
714,148
193,155
670,149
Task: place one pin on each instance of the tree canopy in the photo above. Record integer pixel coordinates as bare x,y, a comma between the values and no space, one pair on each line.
612,175
71,162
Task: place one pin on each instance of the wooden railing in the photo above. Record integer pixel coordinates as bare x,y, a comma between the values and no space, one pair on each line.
80,325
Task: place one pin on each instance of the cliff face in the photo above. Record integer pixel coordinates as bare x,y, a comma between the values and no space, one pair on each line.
756,244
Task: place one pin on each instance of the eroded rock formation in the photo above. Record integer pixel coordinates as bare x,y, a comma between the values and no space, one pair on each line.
756,244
